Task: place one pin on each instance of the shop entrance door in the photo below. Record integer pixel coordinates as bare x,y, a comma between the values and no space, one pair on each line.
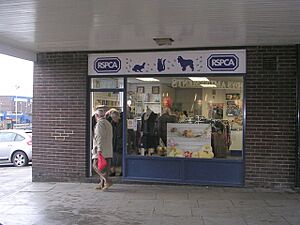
108,93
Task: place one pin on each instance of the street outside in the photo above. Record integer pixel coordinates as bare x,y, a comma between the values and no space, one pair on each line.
23,202
13,179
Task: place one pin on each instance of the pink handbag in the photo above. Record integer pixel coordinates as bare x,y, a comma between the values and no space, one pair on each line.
102,163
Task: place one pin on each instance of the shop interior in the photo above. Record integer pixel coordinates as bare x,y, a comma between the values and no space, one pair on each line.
191,117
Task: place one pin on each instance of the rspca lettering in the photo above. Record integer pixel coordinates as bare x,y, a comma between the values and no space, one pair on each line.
223,62
107,65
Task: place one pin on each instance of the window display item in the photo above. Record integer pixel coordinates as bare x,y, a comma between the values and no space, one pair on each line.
188,140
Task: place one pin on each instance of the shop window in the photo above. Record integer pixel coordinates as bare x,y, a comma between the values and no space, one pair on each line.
104,83
193,117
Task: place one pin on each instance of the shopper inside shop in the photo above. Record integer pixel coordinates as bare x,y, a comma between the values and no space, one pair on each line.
116,122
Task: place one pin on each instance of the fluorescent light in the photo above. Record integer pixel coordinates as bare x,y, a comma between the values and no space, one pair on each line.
163,41
208,85
198,78
147,79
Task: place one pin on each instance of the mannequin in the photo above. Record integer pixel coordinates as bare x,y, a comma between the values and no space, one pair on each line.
163,120
149,138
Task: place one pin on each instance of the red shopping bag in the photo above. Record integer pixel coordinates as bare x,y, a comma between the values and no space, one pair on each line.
101,162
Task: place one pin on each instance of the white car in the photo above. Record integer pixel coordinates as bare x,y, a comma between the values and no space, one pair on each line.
16,147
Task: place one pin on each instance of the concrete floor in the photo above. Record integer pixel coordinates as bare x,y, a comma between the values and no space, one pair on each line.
23,202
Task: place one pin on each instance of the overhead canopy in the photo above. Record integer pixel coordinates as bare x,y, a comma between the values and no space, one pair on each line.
30,26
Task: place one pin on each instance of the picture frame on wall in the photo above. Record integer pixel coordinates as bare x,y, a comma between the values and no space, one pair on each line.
140,89
233,96
155,90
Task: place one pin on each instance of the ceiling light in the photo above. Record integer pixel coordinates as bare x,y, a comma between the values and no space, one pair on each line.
198,78
208,85
150,79
163,41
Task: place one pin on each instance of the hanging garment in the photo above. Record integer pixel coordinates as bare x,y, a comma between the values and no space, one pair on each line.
149,129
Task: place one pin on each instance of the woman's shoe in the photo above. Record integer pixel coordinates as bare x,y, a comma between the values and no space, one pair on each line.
107,185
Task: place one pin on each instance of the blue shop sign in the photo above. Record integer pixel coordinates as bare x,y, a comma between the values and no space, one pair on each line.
223,62
107,64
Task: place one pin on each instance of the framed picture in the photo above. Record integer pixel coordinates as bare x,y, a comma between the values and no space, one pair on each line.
155,89
233,96
140,89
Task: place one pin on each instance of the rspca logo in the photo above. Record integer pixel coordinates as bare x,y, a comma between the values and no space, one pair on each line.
107,65
223,62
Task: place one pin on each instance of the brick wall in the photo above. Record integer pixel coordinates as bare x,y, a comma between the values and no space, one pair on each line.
59,117
271,117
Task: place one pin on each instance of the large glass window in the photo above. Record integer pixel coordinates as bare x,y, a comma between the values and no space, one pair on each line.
195,117
104,83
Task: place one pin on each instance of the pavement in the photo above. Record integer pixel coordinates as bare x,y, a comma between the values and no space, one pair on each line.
23,202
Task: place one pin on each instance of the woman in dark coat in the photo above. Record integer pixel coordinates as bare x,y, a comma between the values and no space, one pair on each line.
116,123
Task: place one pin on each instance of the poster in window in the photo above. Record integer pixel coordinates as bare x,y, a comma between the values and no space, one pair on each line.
233,108
189,140
155,89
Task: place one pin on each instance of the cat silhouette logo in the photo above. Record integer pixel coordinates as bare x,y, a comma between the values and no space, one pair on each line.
223,62
161,64
107,65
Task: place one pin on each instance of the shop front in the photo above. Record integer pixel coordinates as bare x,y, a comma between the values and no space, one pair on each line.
182,113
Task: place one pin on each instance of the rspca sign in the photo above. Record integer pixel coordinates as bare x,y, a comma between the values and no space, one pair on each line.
222,62
168,63
107,65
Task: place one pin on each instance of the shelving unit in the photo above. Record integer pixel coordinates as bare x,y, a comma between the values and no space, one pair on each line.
106,98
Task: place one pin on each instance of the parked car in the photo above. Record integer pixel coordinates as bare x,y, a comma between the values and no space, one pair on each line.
16,147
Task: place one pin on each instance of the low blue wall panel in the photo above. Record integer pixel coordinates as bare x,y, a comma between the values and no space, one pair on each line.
185,171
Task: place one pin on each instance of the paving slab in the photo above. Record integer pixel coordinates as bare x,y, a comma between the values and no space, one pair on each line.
220,220
270,220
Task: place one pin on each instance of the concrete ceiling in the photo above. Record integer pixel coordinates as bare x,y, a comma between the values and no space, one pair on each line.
71,25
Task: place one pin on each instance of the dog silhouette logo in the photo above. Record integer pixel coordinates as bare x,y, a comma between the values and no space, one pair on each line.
161,64
139,68
184,63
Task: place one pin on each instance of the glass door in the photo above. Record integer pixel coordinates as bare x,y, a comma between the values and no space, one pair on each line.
108,93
